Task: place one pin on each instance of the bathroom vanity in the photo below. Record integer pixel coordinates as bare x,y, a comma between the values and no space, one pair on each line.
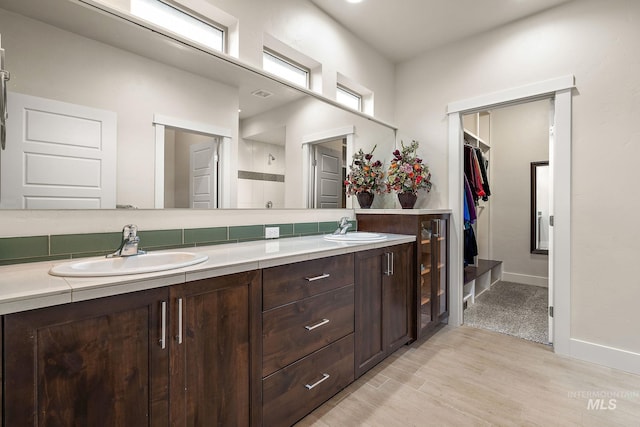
260,334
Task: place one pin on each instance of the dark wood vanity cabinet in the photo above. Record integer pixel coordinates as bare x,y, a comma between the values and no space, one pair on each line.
263,347
93,363
383,280
179,356
308,310
214,376
430,289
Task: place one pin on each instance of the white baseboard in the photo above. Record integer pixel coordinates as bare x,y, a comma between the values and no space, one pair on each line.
525,279
616,358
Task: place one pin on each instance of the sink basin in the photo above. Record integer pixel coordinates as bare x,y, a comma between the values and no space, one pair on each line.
356,236
119,266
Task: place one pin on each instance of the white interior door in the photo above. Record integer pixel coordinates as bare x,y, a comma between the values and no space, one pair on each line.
328,188
58,156
203,163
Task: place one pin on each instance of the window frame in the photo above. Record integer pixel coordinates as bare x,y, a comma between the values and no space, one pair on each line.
350,92
293,64
181,9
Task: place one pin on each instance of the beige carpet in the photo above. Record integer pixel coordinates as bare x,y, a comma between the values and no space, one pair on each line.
513,309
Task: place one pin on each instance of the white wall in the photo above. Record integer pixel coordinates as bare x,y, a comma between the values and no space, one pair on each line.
519,136
598,42
304,27
308,117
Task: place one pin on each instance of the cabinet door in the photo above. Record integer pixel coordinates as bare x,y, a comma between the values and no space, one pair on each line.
93,363
214,329
397,282
441,290
426,305
382,303
368,334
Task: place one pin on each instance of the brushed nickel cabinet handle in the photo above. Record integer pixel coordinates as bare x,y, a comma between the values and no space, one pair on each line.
163,325
317,325
313,279
179,337
321,380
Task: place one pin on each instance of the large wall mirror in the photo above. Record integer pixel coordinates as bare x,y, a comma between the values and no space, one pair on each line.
540,208
185,122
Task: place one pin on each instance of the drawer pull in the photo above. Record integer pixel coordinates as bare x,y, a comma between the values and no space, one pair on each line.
323,379
163,320
317,325
313,279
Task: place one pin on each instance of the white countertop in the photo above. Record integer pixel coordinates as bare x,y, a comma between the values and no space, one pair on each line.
403,211
28,286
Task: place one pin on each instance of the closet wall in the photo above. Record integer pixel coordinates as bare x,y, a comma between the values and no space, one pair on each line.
519,136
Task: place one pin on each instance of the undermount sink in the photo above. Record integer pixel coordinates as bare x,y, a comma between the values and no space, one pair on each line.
120,266
356,236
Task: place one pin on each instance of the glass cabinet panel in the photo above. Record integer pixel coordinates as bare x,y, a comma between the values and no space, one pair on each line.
441,252
426,274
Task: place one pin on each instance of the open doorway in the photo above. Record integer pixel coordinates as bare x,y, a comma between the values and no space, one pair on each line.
328,162
560,90
191,172
208,173
506,272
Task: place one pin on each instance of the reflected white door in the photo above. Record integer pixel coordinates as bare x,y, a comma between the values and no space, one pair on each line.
58,156
328,178
203,182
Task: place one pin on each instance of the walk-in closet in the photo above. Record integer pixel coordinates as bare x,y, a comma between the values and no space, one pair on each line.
506,225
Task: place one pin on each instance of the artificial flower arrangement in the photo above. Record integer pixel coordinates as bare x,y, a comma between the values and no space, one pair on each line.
365,175
407,173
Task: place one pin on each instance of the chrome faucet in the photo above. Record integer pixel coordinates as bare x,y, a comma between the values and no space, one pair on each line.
129,244
343,225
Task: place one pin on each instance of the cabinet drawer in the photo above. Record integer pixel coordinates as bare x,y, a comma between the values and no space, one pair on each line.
288,283
293,392
293,331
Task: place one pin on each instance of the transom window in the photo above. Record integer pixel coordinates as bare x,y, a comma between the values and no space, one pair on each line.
179,22
285,68
349,98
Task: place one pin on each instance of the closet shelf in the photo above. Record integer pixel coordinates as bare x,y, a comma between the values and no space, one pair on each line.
471,137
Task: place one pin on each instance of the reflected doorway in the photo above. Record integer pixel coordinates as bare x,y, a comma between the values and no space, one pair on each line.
329,160
191,170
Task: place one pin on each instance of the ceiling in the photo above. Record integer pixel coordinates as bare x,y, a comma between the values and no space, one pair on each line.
401,29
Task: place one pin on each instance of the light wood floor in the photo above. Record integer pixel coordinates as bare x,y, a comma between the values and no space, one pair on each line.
473,377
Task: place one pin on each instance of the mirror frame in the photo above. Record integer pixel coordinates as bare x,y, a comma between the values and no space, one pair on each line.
534,190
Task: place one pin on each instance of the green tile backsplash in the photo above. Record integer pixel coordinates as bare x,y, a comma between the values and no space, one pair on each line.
78,243
246,232
24,247
206,235
15,250
160,238
304,228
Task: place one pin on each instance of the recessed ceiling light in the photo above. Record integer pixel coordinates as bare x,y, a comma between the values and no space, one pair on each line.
354,1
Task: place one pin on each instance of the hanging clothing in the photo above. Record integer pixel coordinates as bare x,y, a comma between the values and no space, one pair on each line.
470,246
469,202
472,172
476,172
483,174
